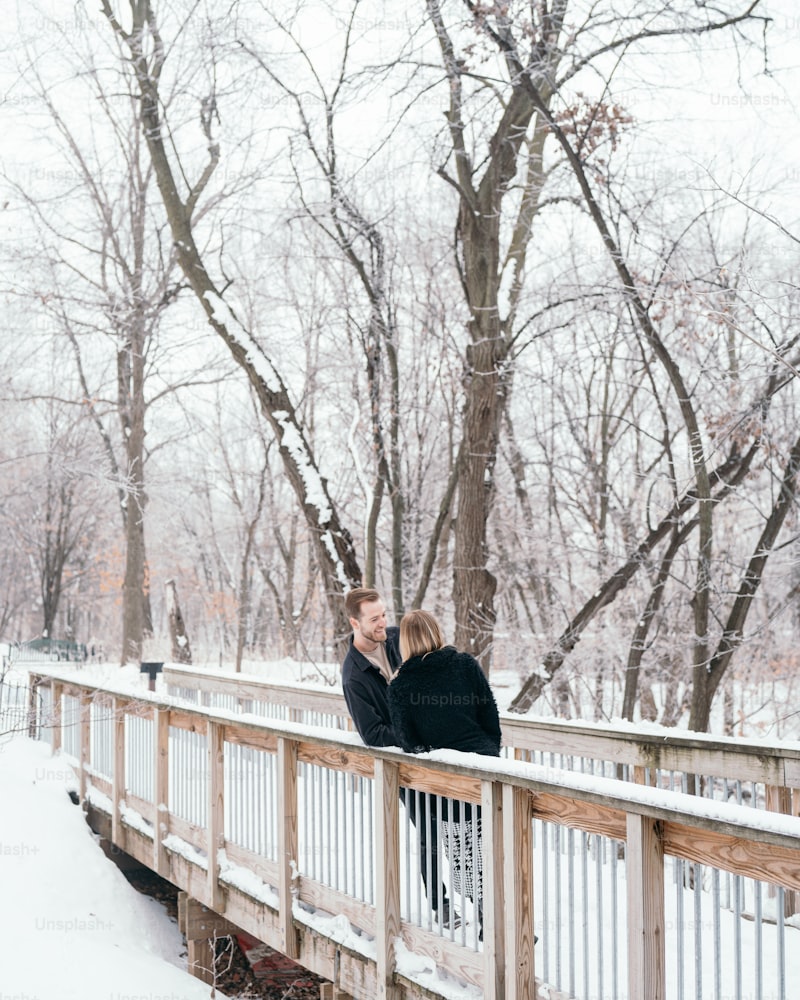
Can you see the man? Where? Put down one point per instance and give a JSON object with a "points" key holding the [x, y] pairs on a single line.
{"points": [[372, 660]]}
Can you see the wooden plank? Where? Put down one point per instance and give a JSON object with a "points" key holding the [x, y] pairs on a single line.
{"points": [[689, 753], [387, 875], [336, 758], [455, 786], [330, 703], [200, 960], [137, 708], [322, 897], [759, 860], [56, 690], [215, 834], [287, 840], [453, 958], [579, 814], [518, 890], [197, 921], [190, 832], [118, 789], [145, 809], [494, 966], [101, 784], [246, 737], [161, 816], [644, 872], [85, 742], [194, 722], [264, 868], [792, 773]]}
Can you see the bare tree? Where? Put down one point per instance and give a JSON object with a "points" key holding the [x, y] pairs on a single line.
{"points": [[145, 54]]}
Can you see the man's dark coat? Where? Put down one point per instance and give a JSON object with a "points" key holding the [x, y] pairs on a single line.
{"points": [[365, 692]]}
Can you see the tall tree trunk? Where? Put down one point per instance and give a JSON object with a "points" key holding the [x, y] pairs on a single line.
{"points": [[181, 649], [487, 375], [334, 546], [132, 411]]}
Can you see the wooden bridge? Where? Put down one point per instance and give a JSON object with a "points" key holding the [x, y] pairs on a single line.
{"points": [[651, 864]]}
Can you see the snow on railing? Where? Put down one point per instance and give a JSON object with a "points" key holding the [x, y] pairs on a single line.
{"points": [[635, 891]]}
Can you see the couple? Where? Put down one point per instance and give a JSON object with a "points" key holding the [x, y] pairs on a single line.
{"points": [[404, 687]]}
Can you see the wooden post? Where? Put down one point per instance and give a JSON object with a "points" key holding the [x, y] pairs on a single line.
{"points": [[387, 873], [494, 971], [34, 722], [779, 799], [215, 832], [518, 891], [201, 927], [161, 791], [86, 737], [287, 842], [118, 771], [645, 878], [56, 690]]}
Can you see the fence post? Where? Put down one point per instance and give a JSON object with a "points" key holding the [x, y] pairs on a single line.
{"points": [[215, 832], [85, 745], [118, 770], [56, 691], [387, 874], [34, 720], [518, 891], [779, 799], [494, 971], [645, 878], [287, 841], [161, 791]]}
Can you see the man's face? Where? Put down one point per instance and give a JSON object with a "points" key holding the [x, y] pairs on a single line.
{"points": [[372, 623]]}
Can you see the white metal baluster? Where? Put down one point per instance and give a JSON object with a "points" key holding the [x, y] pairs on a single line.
{"points": [[759, 938], [678, 869], [781, 904], [698, 931], [599, 903], [615, 850], [572, 939]]}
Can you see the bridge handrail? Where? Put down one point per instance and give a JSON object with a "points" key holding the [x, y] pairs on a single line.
{"points": [[653, 822], [775, 764]]}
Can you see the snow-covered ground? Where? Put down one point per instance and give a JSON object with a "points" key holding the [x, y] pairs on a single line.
{"points": [[71, 926]]}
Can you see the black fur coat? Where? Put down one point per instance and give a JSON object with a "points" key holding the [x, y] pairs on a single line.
{"points": [[443, 700]]}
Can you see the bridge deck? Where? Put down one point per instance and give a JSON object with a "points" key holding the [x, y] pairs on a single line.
{"points": [[297, 835]]}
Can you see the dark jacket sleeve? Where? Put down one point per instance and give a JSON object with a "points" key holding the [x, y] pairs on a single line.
{"points": [[403, 717], [362, 699]]}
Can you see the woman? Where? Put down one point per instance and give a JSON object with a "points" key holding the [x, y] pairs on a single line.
{"points": [[440, 699]]}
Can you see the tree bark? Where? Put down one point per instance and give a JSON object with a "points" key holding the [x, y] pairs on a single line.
{"points": [[733, 632], [487, 375], [181, 649], [334, 547]]}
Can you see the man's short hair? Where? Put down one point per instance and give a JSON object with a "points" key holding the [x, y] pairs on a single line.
{"points": [[356, 597]]}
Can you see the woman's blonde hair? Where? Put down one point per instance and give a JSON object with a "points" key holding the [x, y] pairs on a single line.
{"points": [[419, 633]]}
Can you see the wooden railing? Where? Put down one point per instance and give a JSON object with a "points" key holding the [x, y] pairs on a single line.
{"points": [[267, 893], [643, 754]]}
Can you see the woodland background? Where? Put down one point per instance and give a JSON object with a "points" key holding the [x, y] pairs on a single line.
{"points": [[491, 305]]}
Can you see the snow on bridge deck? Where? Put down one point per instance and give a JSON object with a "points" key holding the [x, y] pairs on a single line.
{"points": [[297, 833]]}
